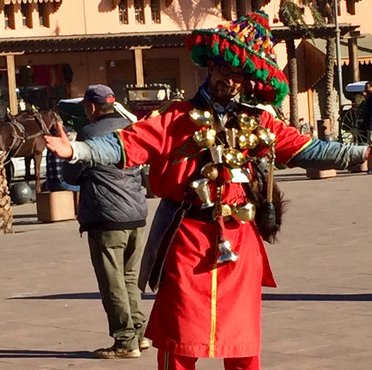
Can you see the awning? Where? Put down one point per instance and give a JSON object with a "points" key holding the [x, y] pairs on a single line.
{"points": [[7, 2], [125, 41], [364, 49], [115, 3], [313, 53], [98, 42]]}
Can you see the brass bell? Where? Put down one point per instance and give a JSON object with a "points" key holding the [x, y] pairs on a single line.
{"points": [[205, 138], [247, 140], [246, 212], [246, 122], [209, 171], [234, 158], [265, 136], [226, 210], [227, 254], [201, 188], [201, 118]]}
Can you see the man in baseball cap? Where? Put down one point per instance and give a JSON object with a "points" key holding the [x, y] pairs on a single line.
{"points": [[113, 211], [99, 94], [98, 101]]}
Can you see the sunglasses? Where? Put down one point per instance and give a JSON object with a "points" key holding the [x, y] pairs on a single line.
{"points": [[227, 72]]}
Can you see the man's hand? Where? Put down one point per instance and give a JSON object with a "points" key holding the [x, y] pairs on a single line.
{"points": [[59, 145]]}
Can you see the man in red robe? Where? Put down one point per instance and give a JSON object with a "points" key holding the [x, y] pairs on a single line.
{"points": [[211, 161]]}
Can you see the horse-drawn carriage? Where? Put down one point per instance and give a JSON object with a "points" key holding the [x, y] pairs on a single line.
{"points": [[351, 115], [141, 100]]}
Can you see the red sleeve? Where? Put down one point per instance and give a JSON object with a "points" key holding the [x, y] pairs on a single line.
{"points": [[143, 141], [289, 141]]}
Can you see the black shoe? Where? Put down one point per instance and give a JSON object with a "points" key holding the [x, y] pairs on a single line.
{"points": [[116, 352]]}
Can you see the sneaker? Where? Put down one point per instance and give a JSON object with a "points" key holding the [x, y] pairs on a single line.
{"points": [[144, 344], [116, 352]]}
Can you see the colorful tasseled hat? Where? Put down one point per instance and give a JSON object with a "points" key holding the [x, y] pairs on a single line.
{"points": [[246, 43]]}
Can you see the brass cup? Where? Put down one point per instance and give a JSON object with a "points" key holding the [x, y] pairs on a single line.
{"points": [[205, 138], [272, 137], [209, 171], [265, 136], [246, 212], [226, 210], [246, 122], [234, 158], [247, 140], [201, 188], [201, 118], [231, 136], [217, 154]]}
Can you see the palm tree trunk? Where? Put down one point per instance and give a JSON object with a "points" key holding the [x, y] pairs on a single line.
{"points": [[330, 72], [293, 84], [6, 216], [328, 11]]}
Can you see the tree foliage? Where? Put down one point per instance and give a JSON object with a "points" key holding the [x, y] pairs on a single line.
{"points": [[292, 15]]}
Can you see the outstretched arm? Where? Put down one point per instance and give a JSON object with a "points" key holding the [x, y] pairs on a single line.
{"points": [[330, 155], [100, 150]]}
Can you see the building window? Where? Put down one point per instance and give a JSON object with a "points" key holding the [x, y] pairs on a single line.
{"points": [[9, 16], [225, 9], [43, 14], [240, 8], [139, 11], [123, 11], [26, 15], [155, 11]]}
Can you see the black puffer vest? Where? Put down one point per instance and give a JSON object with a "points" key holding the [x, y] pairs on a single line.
{"points": [[110, 198]]}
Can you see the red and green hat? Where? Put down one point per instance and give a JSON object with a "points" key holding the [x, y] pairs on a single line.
{"points": [[246, 43]]}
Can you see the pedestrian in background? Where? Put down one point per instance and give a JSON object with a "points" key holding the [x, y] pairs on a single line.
{"points": [[54, 169], [113, 211], [367, 110]]}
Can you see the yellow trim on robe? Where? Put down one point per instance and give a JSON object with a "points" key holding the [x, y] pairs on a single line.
{"points": [[212, 338], [302, 148]]}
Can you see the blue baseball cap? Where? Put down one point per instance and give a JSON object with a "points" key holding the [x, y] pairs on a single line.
{"points": [[99, 94]]}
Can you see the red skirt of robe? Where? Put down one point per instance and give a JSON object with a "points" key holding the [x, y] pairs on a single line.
{"points": [[208, 310]]}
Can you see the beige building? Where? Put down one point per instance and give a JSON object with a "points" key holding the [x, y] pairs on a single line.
{"points": [[64, 45], [53, 49], [352, 15]]}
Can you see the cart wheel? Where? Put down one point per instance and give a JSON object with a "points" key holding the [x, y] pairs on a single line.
{"points": [[350, 129]]}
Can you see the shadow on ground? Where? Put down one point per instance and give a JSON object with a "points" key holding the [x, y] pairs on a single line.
{"points": [[43, 354], [265, 297]]}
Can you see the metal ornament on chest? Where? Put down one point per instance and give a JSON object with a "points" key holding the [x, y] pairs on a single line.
{"points": [[226, 148]]}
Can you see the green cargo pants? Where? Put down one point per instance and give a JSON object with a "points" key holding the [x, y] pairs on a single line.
{"points": [[115, 257]]}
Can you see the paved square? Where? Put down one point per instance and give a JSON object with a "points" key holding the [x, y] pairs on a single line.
{"points": [[319, 318]]}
